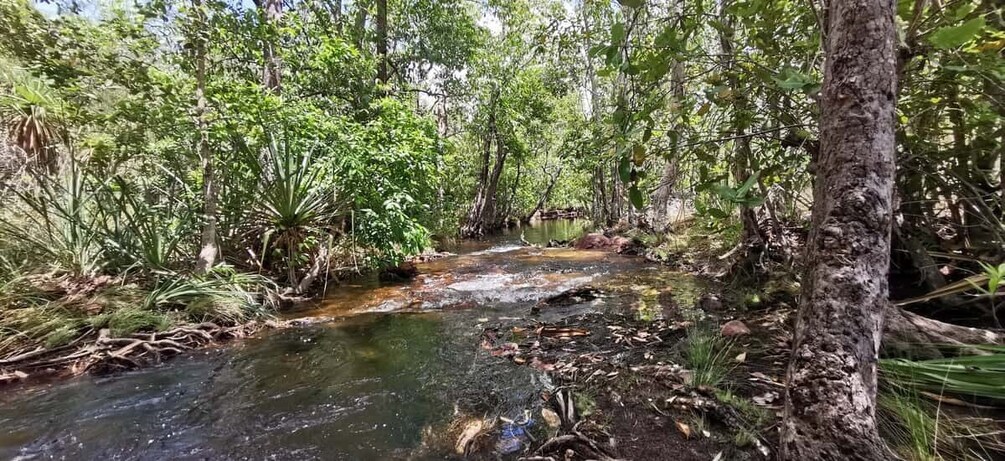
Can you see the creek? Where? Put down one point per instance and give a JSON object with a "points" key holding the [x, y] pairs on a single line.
{"points": [[377, 382]]}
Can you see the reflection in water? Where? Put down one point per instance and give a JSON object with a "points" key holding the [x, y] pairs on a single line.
{"points": [[361, 390], [366, 387], [537, 232]]}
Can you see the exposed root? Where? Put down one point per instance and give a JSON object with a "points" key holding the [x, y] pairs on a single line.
{"points": [[920, 337], [575, 445], [105, 353]]}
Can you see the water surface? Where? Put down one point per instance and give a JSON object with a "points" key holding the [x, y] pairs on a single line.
{"points": [[402, 361]]}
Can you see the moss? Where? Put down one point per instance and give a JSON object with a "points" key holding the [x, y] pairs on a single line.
{"points": [[585, 403], [752, 414]]}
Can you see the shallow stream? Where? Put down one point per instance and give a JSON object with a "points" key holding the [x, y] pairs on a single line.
{"points": [[377, 383]]}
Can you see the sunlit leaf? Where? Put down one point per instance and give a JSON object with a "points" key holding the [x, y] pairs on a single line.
{"points": [[955, 36]]}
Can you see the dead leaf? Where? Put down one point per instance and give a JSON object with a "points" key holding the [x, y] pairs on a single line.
{"points": [[684, 429], [741, 358], [550, 417], [765, 399]]}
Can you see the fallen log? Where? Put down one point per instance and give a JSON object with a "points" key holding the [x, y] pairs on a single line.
{"points": [[919, 337]]}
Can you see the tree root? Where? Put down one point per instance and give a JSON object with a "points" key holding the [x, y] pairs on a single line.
{"points": [[575, 445], [910, 334], [105, 353]]}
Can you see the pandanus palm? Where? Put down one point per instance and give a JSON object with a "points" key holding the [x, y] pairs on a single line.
{"points": [[30, 111], [293, 210]]}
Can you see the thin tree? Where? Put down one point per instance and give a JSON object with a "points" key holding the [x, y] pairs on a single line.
{"points": [[831, 395], [208, 249], [382, 41], [272, 12]]}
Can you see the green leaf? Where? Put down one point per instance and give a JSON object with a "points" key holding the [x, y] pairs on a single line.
{"points": [[717, 213], [791, 79], [617, 33], [625, 169], [955, 36], [639, 154], [631, 3], [635, 196], [747, 184]]}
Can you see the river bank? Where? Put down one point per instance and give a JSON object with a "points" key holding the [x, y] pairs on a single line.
{"points": [[500, 350], [425, 331]]}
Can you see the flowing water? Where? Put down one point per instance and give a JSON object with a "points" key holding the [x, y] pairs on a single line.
{"points": [[377, 383]]}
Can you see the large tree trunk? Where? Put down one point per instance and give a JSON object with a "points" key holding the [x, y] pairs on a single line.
{"points": [[831, 394], [208, 248]]}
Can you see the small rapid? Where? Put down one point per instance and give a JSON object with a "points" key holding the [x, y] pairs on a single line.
{"points": [[394, 368]]}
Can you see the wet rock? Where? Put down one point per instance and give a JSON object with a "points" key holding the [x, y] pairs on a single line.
{"points": [[617, 243], [709, 302], [593, 241], [403, 271], [570, 297], [734, 328]]}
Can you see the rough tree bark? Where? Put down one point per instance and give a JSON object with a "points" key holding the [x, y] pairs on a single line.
{"points": [[208, 249], [272, 11], [831, 394]]}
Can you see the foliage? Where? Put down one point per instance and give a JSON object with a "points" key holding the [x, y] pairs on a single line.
{"points": [[975, 376]]}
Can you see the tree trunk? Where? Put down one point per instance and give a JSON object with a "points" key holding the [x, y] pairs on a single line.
{"points": [[662, 198], [831, 394], [751, 231], [359, 26], [541, 202], [382, 41], [481, 216], [208, 248], [272, 11], [336, 9], [601, 212]]}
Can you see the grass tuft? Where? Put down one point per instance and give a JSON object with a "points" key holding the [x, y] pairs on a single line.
{"points": [[707, 355]]}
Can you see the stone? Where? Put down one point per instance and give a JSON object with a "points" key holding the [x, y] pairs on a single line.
{"points": [[734, 328]]}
